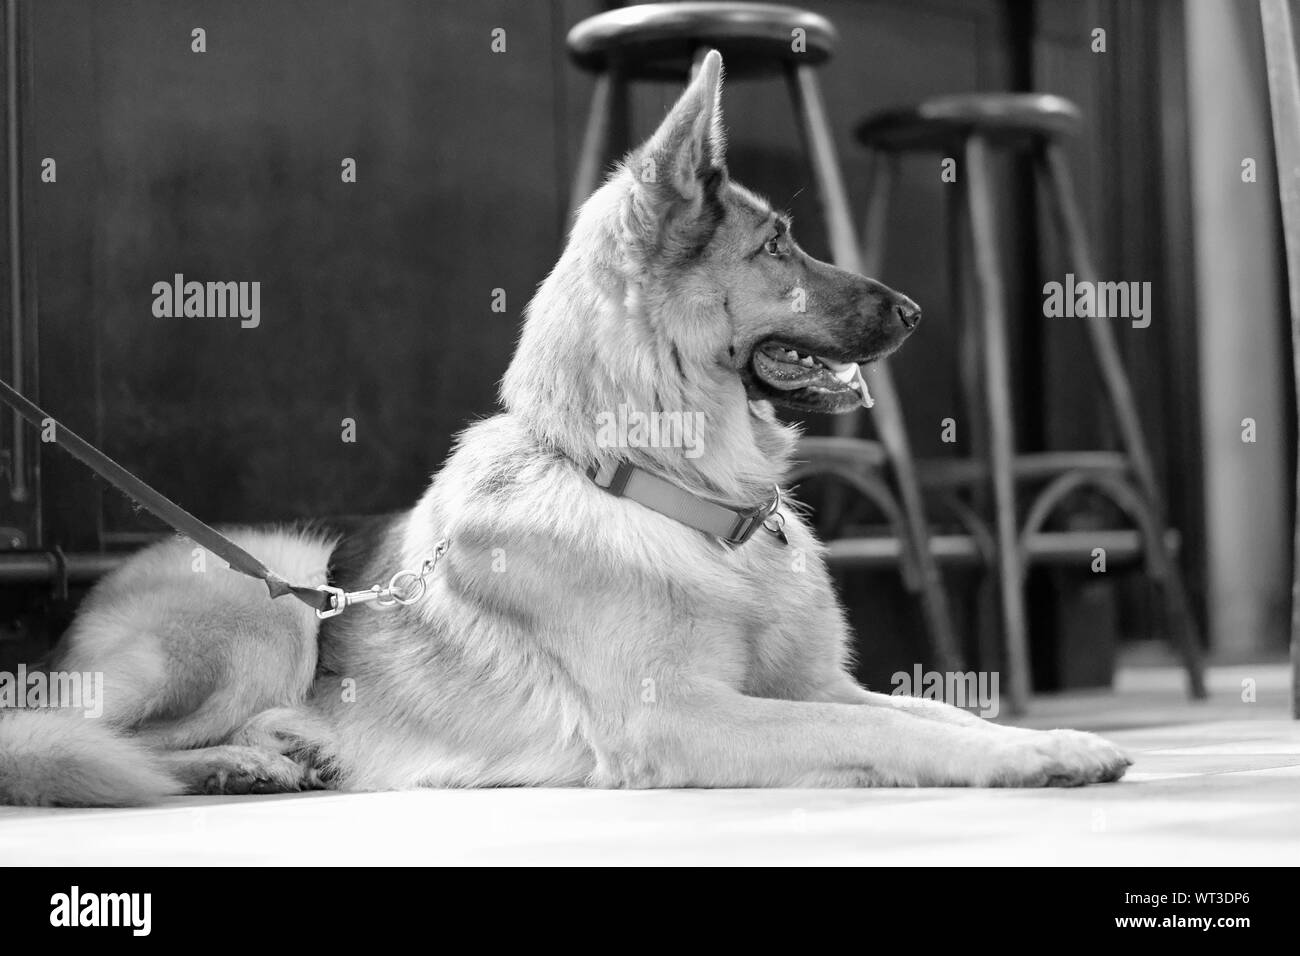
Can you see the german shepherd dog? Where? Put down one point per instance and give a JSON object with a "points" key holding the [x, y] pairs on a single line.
{"points": [[569, 637]]}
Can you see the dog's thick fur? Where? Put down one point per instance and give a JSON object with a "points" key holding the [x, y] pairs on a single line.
{"points": [[569, 637]]}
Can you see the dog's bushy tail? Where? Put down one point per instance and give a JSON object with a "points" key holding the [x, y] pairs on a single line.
{"points": [[62, 759]]}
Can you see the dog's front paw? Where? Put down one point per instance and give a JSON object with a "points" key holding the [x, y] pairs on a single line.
{"points": [[241, 770], [1053, 758]]}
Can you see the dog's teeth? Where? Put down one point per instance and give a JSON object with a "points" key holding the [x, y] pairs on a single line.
{"points": [[846, 372], [807, 360], [851, 374], [792, 355], [861, 385]]}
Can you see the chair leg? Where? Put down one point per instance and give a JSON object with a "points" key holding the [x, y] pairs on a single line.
{"points": [[871, 258], [1182, 625], [970, 346], [875, 220], [820, 144], [972, 423], [875, 217], [1181, 621], [997, 384], [606, 122], [1069, 220]]}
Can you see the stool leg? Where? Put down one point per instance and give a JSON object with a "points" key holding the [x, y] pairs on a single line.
{"points": [[606, 121], [970, 347], [1182, 622], [875, 219], [997, 384], [820, 144], [871, 259], [972, 423]]}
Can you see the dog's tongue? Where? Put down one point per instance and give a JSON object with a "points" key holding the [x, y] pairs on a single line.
{"points": [[851, 375]]}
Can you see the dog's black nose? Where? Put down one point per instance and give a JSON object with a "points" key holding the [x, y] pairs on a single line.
{"points": [[908, 312]]}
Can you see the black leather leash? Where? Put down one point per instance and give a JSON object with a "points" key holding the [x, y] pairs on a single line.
{"points": [[321, 600]]}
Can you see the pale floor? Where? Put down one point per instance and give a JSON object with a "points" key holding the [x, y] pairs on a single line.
{"points": [[1212, 783]]}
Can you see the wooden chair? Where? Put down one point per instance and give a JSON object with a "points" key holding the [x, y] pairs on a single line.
{"points": [[971, 127]]}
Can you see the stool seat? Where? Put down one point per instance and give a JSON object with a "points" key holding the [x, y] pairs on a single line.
{"points": [[1008, 119], [659, 40]]}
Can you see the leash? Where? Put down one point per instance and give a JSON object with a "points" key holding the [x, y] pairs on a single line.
{"points": [[327, 601]]}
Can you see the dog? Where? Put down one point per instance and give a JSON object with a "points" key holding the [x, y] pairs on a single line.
{"points": [[570, 636]]}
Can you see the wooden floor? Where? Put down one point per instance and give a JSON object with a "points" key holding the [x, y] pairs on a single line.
{"points": [[1213, 783]]}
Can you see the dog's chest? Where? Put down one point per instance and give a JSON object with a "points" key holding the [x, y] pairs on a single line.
{"points": [[771, 612]]}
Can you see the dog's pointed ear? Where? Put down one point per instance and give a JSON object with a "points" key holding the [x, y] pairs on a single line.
{"points": [[685, 158]]}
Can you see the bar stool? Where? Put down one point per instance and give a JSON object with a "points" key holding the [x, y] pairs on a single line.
{"points": [[666, 40], [969, 128]]}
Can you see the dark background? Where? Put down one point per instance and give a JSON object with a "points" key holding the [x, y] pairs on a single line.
{"points": [[376, 296]]}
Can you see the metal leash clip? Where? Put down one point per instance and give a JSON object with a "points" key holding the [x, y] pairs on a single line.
{"points": [[404, 588], [774, 521]]}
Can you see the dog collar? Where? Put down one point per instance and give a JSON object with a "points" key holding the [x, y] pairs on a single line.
{"points": [[734, 526]]}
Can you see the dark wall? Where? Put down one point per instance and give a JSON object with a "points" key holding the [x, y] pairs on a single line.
{"points": [[226, 165], [376, 296]]}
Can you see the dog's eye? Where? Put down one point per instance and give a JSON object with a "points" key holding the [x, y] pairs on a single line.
{"points": [[773, 246]]}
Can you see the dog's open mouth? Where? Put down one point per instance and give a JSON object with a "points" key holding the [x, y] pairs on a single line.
{"points": [[802, 379]]}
